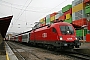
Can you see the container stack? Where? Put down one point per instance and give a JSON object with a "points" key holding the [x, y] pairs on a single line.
{"points": [[43, 22], [81, 33], [78, 13], [52, 17], [87, 13], [87, 8], [67, 10]]}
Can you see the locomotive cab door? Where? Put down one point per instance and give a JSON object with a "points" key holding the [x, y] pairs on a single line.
{"points": [[54, 34]]}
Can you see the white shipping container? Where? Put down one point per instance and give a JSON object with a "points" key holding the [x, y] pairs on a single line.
{"points": [[76, 2], [47, 23], [60, 12], [73, 16], [57, 16], [48, 16], [78, 15]]}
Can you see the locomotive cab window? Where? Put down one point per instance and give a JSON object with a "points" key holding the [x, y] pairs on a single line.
{"points": [[54, 30], [66, 30]]}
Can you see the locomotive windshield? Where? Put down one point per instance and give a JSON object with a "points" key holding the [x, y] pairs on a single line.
{"points": [[66, 30]]}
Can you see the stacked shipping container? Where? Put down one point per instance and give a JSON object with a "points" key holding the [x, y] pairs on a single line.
{"points": [[87, 13], [43, 22], [80, 32], [67, 10], [48, 19], [59, 15], [78, 14], [52, 16]]}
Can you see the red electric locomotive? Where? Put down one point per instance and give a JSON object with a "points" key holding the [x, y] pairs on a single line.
{"points": [[61, 35]]}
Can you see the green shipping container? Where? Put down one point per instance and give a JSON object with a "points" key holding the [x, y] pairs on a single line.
{"points": [[87, 11], [69, 20], [80, 32], [85, 32], [87, 7], [66, 8], [48, 21]]}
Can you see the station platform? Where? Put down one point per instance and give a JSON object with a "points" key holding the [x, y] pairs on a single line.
{"points": [[9, 55], [2, 51]]}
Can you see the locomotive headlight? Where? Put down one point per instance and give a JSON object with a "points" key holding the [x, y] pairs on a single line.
{"points": [[76, 38], [61, 38]]}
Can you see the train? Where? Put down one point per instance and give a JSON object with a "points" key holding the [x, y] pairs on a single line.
{"points": [[60, 35]]}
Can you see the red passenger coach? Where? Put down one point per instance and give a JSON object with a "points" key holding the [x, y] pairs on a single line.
{"points": [[59, 34], [20, 38]]}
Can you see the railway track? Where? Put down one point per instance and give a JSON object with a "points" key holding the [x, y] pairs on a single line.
{"points": [[16, 52], [77, 55], [21, 55], [33, 53], [71, 54]]}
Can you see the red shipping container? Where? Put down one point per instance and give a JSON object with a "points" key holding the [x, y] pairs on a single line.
{"points": [[88, 25], [69, 11], [61, 17], [86, 1], [80, 22], [53, 14], [88, 38]]}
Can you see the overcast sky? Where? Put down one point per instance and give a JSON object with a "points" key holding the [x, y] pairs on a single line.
{"points": [[27, 12]]}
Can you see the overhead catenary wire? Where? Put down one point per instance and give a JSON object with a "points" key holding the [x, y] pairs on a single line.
{"points": [[30, 10], [20, 13], [57, 5], [23, 9], [17, 5], [11, 3]]}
